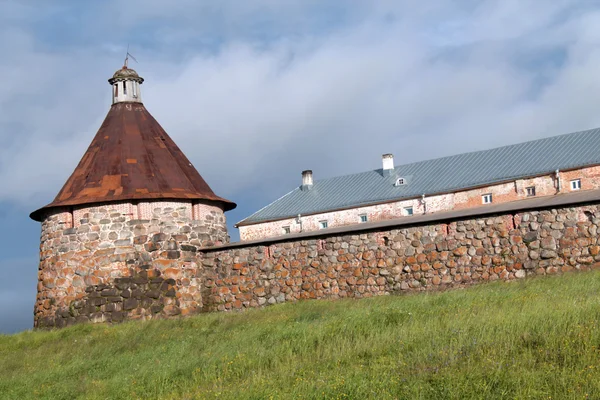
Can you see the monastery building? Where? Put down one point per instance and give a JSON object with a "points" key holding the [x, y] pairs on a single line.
{"points": [[545, 167]]}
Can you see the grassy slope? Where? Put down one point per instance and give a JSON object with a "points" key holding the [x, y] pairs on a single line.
{"points": [[532, 339]]}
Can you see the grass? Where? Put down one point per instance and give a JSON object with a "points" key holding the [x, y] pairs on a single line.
{"points": [[533, 339]]}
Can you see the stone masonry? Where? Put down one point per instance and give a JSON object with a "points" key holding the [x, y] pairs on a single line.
{"points": [[112, 266], [419, 258], [98, 273]]}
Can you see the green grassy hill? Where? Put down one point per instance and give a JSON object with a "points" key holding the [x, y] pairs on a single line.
{"points": [[534, 339]]}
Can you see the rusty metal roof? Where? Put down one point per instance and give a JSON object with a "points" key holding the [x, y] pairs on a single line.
{"points": [[132, 158]]}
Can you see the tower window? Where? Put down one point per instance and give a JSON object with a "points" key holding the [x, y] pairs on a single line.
{"points": [[134, 89], [408, 211], [116, 90], [576, 184], [363, 218], [124, 87], [530, 191], [486, 198], [286, 230], [323, 224]]}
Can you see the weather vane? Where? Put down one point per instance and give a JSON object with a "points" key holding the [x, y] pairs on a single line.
{"points": [[127, 57]]}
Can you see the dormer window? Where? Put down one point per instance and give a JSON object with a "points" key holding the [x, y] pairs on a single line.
{"points": [[400, 182]]}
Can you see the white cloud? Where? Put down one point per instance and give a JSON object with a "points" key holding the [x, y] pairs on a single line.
{"points": [[391, 77]]}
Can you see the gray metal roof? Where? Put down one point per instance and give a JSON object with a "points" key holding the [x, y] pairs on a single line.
{"points": [[441, 175]]}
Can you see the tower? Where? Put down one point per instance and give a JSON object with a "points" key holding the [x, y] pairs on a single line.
{"points": [[119, 240]]}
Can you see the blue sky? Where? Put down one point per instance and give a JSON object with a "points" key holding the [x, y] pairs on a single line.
{"points": [[256, 91]]}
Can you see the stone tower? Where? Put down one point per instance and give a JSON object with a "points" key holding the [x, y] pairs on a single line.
{"points": [[119, 240]]}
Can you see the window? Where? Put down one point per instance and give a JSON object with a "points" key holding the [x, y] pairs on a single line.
{"points": [[576, 184], [116, 90], [486, 198], [400, 181], [286, 230], [408, 211], [124, 87], [363, 218], [134, 87], [322, 224], [530, 191]]}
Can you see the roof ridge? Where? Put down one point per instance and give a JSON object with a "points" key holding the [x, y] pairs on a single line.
{"points": [[501, 147], [396, 167]]}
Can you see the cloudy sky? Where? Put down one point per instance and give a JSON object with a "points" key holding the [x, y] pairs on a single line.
{"points": [[255, 91]]}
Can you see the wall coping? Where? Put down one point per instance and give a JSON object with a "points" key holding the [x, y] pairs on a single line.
{"points": [[562, 199]]}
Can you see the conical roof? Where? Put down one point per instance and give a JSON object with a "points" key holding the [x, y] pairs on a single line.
{"points": [[132, 158]]}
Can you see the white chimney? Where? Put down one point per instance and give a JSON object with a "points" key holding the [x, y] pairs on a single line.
{"points": [[388, 164], [307, 180]]}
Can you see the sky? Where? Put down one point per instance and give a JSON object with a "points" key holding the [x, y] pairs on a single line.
{"points": [[256, 91]]}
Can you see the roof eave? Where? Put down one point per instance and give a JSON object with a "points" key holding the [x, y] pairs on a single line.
{"points": [[36, 215]]}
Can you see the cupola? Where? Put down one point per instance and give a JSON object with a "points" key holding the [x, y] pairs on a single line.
{"points": [[126, 86]]}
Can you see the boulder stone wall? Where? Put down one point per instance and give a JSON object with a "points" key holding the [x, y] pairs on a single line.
{"points": [[409, 259], [120, 261], [112, 267]]}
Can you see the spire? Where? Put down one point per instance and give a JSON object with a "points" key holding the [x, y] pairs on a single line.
{"points": [[132, 158]]}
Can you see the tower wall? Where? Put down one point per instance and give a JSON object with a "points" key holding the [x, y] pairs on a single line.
{"points": [[116, 261]]}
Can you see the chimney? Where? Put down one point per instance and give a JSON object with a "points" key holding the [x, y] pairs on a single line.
{"points": [[388, 164], [307, 180]]}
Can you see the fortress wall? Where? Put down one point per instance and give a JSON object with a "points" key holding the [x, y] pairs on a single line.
{"points": [[111, 265], [429, 256], [105, 272]]}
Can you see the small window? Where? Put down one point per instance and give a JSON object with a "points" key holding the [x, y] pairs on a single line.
{"points": [[116, 90], [134, 87], [530, 191], [363, 218], [408, 211], [286, 230], [322, 224], [400, 181], [576, 184], [486, 198], [124, 87]]}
